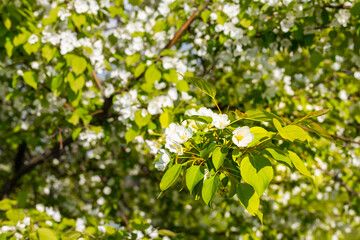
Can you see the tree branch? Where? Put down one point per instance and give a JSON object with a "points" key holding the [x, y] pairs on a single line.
{"points": [[185, 26]]}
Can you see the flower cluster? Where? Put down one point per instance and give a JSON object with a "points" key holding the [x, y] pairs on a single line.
{"points": [[176, 135]]}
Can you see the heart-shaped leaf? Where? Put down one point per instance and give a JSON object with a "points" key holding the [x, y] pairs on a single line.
{"points": [[257, 171], [193, 176]]}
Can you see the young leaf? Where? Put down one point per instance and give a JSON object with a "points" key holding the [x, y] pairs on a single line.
{"points": [[260, 115], [209, 189], [218, 156], [165, 119], [31, 79], [278, 156], [205, 151], [319, 130], [152, 74], [290, 132], [140, 120], [170, 176], [203, 85], [315, 114], [257, 171], [78, 64], [248, 198], [194, 175], [299, 164], [46, 234]]}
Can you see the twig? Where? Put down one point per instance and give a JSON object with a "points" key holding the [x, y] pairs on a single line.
{"points": [[339, 180], [98, 84], [332, 135], [185, 26]]}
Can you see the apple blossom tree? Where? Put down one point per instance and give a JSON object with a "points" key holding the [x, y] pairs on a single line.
{"points": [[143, 119]]}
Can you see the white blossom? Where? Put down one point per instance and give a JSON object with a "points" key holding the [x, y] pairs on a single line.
{"points": [[163, 160], [220, 121], [33, 39], [242, 136]]}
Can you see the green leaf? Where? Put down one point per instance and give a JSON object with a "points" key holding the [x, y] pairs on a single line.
{"points": [[315, 59], [203, 85], [197, 118], [159, 26], [132, 59], [31, 79], [170, 177], [233, 187], [47, 234], [182, 86], [299, 164], [56, 84], [165, 119], [71, 235], [7, 23], [9, 47], [206, 150], [15, 215], [152, 74], [209, 189], [218, 156], [75, 133], [78, 20], [48, 53], [355, 10], [78, 64], [20, 39], [139, 224], [290, 132], [260, 115], [315, 114], [77, 84], [194, 175], [140, 120], [31, 48], [248, 198], [171, 76], [52, 16], [139, 70], [245, 23], [205, 15], [260, 134], [131, 134], [166, 232], [319, 130], [278, 156], [257, 171]]}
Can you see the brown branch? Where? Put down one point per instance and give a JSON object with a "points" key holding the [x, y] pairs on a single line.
{"points": [[98, 84], [339, 180], [54, 152], [185, 26]]}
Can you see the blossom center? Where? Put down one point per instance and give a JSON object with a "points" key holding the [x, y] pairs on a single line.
{"points": [[239, 137]]}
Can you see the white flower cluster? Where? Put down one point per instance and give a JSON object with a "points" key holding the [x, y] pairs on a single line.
{"points": [[220, 121], [342, 17], [163, 160], [90, 137], [86, 6], [157, 103], [20, 226], [127, 105], [176, 135]]}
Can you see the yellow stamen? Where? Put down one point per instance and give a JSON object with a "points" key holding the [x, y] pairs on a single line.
{"points": [[239, 137]]}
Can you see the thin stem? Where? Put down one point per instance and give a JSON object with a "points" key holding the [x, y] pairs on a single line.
{"points": [[216, 104]]}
